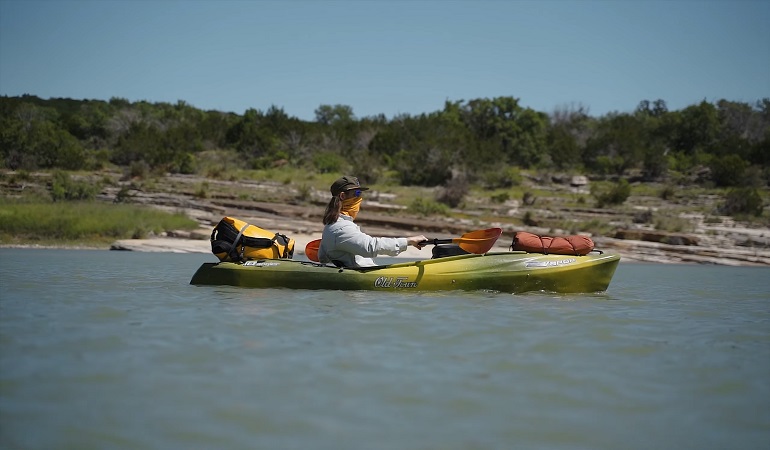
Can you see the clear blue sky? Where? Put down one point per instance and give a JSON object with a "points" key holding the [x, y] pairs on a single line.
{"points": [[388, 57]]}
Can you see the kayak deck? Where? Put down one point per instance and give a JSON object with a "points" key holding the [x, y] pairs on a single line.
{"points": [[514, 272]]}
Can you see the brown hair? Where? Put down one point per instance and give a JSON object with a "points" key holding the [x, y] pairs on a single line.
{"points": [[333, 210]]}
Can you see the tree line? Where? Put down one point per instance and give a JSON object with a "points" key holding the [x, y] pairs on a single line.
{"points": [[483, 141]]}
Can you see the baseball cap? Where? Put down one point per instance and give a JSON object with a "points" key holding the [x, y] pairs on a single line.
{"points": [[346, 183]]}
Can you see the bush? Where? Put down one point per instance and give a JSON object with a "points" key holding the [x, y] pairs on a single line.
{"points": [[428, 207], [502, 178], [63, 187], [668, 192], [743, 201], [501, 197], [528, 198], [454, 191], [728, 170], [674, 224], [327, 162], [615, 195], [137, 169]]}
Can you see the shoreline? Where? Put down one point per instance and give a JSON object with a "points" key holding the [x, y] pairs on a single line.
{"points": [[725, 241], [629, 251]]}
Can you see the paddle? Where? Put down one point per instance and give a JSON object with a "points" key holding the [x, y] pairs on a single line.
{"points": [[479, 241]]}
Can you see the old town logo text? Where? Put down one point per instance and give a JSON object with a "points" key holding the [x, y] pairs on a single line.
{"points": [[394, 282]]}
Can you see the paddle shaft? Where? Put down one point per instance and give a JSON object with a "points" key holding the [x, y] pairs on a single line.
{"points": [[480, 241]]}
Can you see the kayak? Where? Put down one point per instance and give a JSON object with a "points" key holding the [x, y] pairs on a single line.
{"points": [[513, 272]]}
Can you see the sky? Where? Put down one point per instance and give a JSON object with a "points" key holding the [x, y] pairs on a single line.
{"points": [[387, 57]]}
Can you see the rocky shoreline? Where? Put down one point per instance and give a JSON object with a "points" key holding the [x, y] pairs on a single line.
{"points": [[708, 245], [297, 213], [629, 250]]}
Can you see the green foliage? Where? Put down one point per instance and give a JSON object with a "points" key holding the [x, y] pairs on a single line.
{"points": [[31, 139], [137, 169], [504, 177], [672, 224], [614, 194], [743, 201], [83, 221], [426, 207], [480, 137], [63, 187], [328, 162], [502, 197], [667, 192], [123, 195], [728, 170]]}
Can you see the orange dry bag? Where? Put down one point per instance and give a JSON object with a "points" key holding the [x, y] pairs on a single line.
{"points": [[569, 245]]}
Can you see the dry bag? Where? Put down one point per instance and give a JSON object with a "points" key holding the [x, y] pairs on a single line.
{"points": [[234, 240], [569, 245]]}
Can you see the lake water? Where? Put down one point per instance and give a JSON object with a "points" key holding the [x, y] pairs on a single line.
{"points": [[115, 350]]}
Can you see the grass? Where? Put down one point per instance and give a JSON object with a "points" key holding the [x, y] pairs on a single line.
{"points": [[82, 223], [555, 206]]}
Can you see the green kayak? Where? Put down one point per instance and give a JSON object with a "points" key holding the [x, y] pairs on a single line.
{"points": [[513, 272]]}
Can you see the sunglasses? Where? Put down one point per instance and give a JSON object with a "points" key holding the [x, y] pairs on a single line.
{"points": [[356, 192]]}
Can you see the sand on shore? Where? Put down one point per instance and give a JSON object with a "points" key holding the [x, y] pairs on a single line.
{"points": [[179, 245]]}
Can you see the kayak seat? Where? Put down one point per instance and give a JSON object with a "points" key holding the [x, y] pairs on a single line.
{"points": [[442, 251]]}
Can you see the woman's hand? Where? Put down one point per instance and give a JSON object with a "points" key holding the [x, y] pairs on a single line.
{"points": [[417, 241]]}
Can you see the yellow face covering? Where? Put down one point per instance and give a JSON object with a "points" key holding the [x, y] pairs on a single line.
{"points": [[350, 206]]}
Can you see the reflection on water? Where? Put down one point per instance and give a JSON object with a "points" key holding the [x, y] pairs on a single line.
{"points": [[117, 350]]}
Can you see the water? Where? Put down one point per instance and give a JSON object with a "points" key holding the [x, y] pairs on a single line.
{"points": [[114, 350]]}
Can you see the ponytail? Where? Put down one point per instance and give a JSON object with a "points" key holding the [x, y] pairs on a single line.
{"points": [[333, 210]]}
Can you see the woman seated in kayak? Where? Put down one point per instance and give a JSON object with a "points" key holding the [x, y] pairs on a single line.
{"points": [[343, 243]]}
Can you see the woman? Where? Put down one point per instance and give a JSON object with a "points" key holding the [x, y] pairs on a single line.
{"points": [[343, 243]]}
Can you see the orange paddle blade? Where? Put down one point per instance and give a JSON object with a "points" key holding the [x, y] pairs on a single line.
{"points": [[480, 241], [311, 250]]}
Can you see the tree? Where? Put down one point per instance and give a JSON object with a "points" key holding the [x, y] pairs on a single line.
{"points": [[618, 144], [569, 130], [31, 138], [695, 128], [327, 114]]}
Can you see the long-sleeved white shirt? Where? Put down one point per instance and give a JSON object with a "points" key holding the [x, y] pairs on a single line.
{"points": [[344, 243]]}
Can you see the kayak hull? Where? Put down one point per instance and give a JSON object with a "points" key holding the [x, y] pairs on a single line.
{"points": [[514, 272]]}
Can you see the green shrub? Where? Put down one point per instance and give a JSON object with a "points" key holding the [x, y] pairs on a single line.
{"points": [[501, 197], [63, 187], [506, 177], [728, 170], [617, 194], [328, 162], [137, 169], [668, 192], [425, 207], [743, 201], [123, 195], [674, 224]]}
